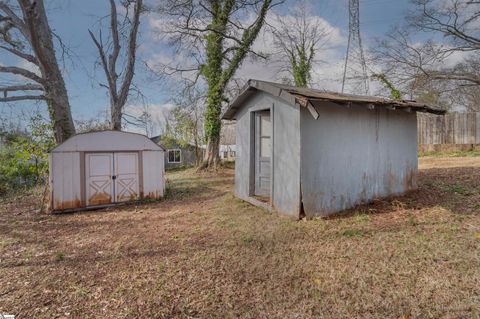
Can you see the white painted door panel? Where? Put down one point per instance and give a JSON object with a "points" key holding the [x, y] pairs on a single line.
{"points": [[263, 132], [126, 176], [99, 171]]}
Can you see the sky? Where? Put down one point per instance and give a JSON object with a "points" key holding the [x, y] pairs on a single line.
{"points": [[71, 20]]}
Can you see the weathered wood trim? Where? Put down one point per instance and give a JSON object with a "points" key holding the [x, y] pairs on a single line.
{"points": [[272, 155], [83, 187], [312, 110]]}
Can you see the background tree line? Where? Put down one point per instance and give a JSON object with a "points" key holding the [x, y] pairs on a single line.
{"points": [[214, 37]]}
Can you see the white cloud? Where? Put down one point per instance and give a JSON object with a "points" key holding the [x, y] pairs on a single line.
{"points": [[156, 123], [326, 73]]}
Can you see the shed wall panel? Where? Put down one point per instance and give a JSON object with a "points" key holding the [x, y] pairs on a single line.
{"points": [[153, 174], [354, 155], [286, 159], [65, 180]]}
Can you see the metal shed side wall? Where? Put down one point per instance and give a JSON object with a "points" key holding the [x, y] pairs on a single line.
{"points": [[65, 180], [354, 155], [153, 174], [285, 151]]}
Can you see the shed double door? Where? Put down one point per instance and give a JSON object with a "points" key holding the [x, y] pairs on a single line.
{"points": [[111, 177], [263, 153]]}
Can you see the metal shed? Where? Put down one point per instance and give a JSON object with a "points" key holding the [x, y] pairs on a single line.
{"points": [[306, 152], [104, 168]]}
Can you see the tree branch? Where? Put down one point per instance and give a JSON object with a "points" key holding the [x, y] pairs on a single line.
{"points": [[248, 36], [25, 87], [112, 59], [22, 72], [28, 57], [132, 48], [103, 62], [15, 19], [22, 98]]}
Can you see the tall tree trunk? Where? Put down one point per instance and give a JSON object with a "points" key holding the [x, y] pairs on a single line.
{"points": [[212, 158], [53, 83], [116, 117], [59, 109], [33, 27], [119, 95], [213, 125]]}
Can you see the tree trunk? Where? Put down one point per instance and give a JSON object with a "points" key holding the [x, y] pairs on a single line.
{"points": [[212, 158], [40, 38], [116, 117], [59, 109], [213, 125]]}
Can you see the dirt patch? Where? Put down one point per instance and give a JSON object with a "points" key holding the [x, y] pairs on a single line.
{"points": [[201, 253], [427, 162]]}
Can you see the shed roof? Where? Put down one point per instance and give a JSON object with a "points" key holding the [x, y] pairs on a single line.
{"points": [[107, 141], [304, 97]]}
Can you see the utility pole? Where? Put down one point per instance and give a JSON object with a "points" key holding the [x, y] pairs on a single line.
{"points": [[355, 71]]}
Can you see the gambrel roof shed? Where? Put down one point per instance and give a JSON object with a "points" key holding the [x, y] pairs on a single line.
{"points": [[104, 168], [310, 152]]}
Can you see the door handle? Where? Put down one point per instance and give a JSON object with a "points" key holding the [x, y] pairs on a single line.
{"points": [[114, 177]]}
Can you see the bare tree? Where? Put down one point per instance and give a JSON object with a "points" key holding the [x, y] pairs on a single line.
{"points": [[25, 33], [453, 57], [216, 35], [109, 56], [298, 40], [457, 22]]}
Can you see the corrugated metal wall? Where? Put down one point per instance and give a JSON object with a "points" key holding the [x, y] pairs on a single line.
{"points": [[454, 128], [354, 155]]}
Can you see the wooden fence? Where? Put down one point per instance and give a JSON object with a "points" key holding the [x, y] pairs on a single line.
{"points": [[455, 131]]}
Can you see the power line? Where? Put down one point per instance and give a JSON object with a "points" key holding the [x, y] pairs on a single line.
{"points": [[355, 70]]}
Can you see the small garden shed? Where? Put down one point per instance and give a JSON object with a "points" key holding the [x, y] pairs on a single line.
{"points": [[308, 152], [103, 168]]}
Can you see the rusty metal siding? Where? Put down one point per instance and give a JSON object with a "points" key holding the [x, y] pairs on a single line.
{"points": [[65, 181], [354, 155], [286, 151], [153, 174]]}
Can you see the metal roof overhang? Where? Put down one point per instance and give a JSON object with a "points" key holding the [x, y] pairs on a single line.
{"points": [[304, 97]]}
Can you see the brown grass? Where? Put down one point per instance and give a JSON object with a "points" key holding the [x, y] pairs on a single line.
{"points": [[201, 253]]}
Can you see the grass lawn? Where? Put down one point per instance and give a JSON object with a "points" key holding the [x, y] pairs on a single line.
{"points": [[201, 253]]}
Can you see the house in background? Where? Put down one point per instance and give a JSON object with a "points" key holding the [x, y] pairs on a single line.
{"points": [[178, 154], [227, 152], [310, 153]]}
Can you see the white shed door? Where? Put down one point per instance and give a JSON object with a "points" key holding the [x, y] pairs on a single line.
{"points": [[99, 172], [126, 176], [263, 153]]}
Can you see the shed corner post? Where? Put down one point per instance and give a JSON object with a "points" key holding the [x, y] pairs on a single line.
{"points": [[272, 157], [50, 181], [140, 174], [83, 182]]}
